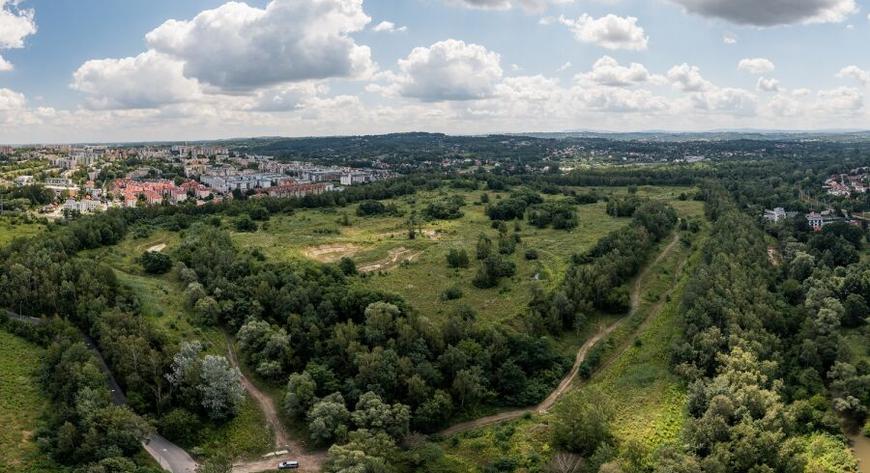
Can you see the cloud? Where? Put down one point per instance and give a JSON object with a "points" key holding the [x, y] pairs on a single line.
{"points": [[564, 67], [772, 12], [240, 48], [725, 100], [609, 32], [15, 25], [767, 85], [856, 73], [149, 80], [848, 100], [528, 5], [729, 38], [617, 100], [389, 27], [607, 71], [448, 70], [756, 66], [287, 98], [688, 78]]}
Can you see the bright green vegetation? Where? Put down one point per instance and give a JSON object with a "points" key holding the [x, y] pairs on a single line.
{"points": [[245, 436], [417, 269], [825, 453], [856, 341], [646, 398], [20, 406], [11, 229]]}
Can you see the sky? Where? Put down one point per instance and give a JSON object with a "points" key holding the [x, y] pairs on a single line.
{"points": [[145, 70]]}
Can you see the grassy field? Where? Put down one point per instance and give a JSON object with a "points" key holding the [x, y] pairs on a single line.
{"points": [[20, 406], [11, 229], [647, 398], [419, 273]]}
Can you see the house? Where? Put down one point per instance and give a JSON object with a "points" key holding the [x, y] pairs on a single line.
{"points": [[23, 181], [776, 215], [818, 220]]}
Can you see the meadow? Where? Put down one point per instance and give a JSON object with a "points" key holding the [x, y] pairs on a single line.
{"points": [[11, 228], [646, 398], [21, 404], [417, 269]]}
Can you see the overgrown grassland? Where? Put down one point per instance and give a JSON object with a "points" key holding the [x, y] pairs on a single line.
{"points": [[647, 399], [11, 229], [319, 234], [20, 406]]}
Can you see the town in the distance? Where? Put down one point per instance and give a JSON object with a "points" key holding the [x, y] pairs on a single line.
{"points": [[86, 179]]}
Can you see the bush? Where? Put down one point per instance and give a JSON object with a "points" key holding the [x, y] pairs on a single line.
{"points": [[347, 266], [181, 426], [457, 258], [154, 262], [245, 224], [531, 254], [452, 293], [491, 270]]}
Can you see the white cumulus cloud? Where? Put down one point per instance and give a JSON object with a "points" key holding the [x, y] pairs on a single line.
{"points": [[236, 47], [855, 73], [15, 25], [449, 70], [757, 66], [767, 85], [609, 31], [529, 5], [607, 71], [389, 27], [148, 80]]}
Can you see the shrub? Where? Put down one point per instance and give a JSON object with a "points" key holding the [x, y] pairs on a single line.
{"points": [[452, 293], [531, 254], [154, 262], [457, 258], [245, 224], [347, 266]]}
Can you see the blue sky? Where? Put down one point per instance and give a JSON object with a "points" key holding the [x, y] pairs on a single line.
{"points": [[108, 70]]}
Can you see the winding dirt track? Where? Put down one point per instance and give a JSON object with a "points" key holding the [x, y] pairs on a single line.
{"points": [[568, 380], [308, 461]]}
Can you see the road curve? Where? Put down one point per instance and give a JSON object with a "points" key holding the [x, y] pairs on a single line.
{"points": [[171, 457], [568, 380]]}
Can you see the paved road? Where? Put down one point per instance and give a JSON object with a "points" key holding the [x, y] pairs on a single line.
{"points": [[568, 380], [171, 457]]}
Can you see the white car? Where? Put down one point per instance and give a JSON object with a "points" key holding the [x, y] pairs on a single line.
{"points": [[288, 465]]}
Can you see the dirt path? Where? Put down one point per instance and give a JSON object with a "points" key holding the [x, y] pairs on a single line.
{"points": [[568, 380], [308, 461], [396, 256]]}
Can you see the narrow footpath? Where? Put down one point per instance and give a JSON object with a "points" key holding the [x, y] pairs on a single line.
{"points": [[568, 380]]}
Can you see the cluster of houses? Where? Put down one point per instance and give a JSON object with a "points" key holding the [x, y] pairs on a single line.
{"points": [[846, 185], [212, 173], [816, 220]]}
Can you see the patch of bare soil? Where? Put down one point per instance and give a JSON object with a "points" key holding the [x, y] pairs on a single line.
{"points": [[396, 256], [331, 253]]}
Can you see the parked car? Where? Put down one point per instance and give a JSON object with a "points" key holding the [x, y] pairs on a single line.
{"points": [[288, 465]]}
